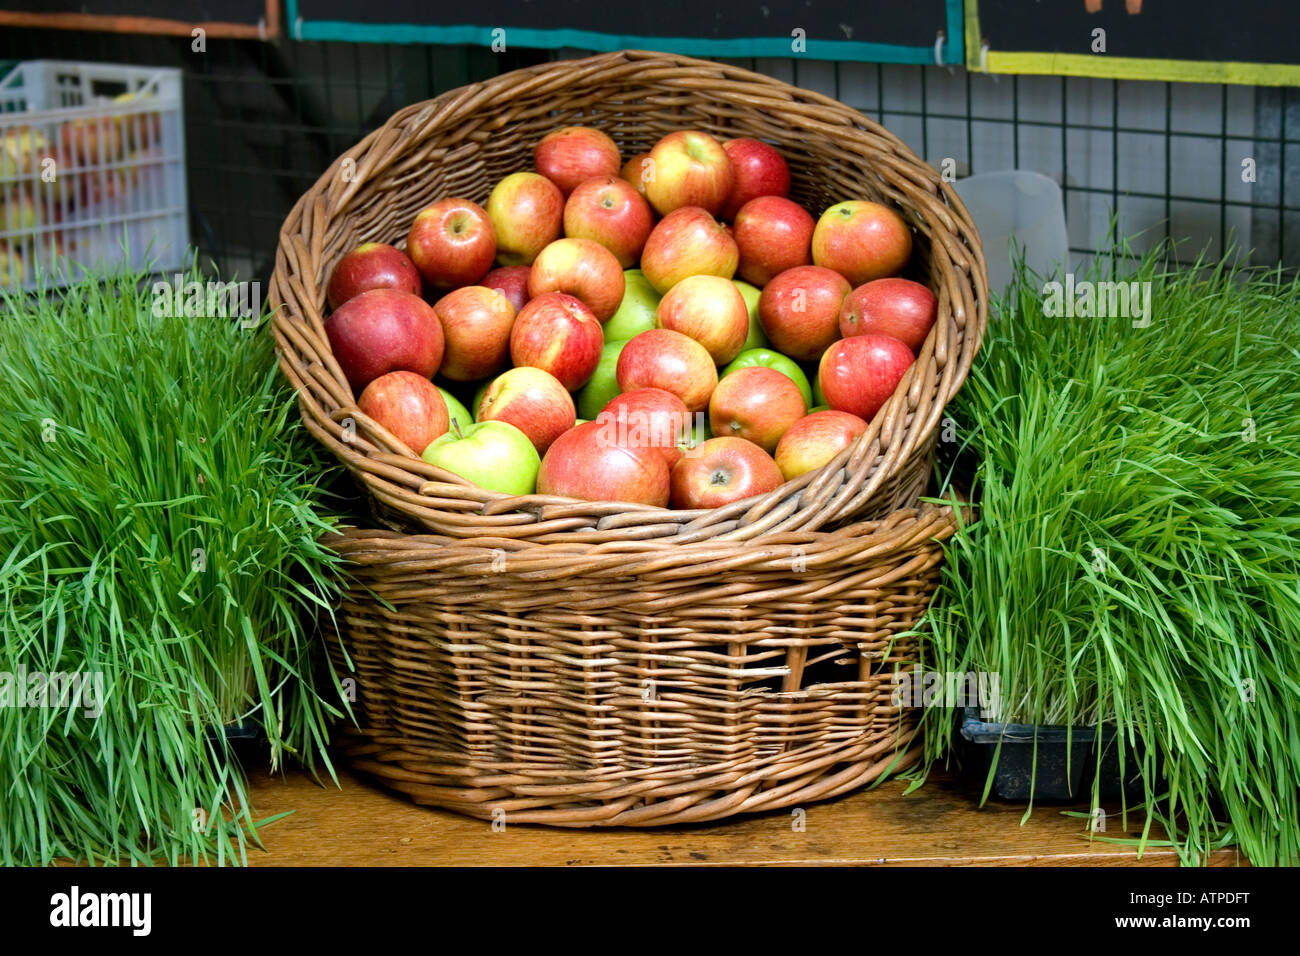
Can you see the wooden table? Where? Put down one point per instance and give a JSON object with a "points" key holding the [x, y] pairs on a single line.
{"points": [[940, 825]]}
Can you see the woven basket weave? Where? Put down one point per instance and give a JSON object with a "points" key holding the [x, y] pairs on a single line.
{"points": [[463, 142], [641, 687]]}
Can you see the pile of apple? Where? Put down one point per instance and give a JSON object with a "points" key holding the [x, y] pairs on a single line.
{"points": [[628, 345]]}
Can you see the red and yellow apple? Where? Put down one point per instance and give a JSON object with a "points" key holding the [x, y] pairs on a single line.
{"points": [[637, 171], [814, 440], [372, 265], [690, 169], [609, 211], [574, 154], [773, 234], [757, 170], [582, 268], [510, 281], [709, 309], [861, 241], [583, 463], [452, 243], [649, 418], [858, 375], [898, 307], [688, 242], [559, 334], [526, 210], [531, 399], [800, 311], [408, 405], [720, 471], [756, 403], [384, 330], [662, 358], [476, 324]]}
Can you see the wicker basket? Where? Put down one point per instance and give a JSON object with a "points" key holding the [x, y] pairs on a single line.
{"points": [[463, 142], [634, 687], [598, 664]]}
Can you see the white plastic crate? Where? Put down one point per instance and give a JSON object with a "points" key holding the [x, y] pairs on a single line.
{"points": [[92, 170]]}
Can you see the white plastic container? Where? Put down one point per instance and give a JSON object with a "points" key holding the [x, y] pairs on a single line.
{"points": [[1022, 206], [92, 170]]}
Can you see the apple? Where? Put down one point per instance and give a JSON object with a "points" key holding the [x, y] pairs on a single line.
{"points": [[751, 294], [526, 210], [688, 242], [757, 170], [476, 323], [756, 403], [898, 307], [493, 455], [456, 412], [603, 384], [583, 463], [690, 169], [636, 313], [814, 440], [767, 358], [800, 310], [559, 334], [384, 330], [533, 401], [861, 241], [452, 243], [859, 374], [648, 418], [574, 154], [610, 211], [637, 170], [663, 358], [581, 268], [373, 265], [408, 406], [510, 281], [773, 234], [722, 470], [711, 310], [91, 142]]}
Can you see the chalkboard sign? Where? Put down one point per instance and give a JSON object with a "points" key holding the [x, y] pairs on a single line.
{"points": [[873, 30], [1206, 41], [253, 19]]}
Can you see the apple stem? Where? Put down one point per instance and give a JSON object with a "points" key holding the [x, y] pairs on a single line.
{"points": [[455, 423]]}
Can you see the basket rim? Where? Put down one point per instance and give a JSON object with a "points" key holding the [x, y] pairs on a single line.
{"points": [[424, 495]]}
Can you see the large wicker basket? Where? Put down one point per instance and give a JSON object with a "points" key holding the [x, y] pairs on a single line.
{"points": [[463, 142], [593, 663]]}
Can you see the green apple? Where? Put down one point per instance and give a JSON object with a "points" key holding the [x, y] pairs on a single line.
{"points": [[819, 408], [750, 293], [494, 455], [818, 397], [478, 397], [773, 360], [603, 384], [636, 313], [456, 412]]}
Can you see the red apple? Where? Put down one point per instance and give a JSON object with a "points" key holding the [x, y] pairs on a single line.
{"points": [[690, 169], [815, 439], [861, 241], [773, 234], [532, 400], [858, 375], [384, 330], [722, 470], [898, 307], [511, 282], [558, 333], [711, 310], [585, 462], [409, 406], [757, 170], [373, 265], [575, 154], [800, 311], [756, 403], [662, 358], [452, 243], [476, 323], [526, 210], [582, 268], [609, 211], [688, 242], [636, 172], [649, 418]]}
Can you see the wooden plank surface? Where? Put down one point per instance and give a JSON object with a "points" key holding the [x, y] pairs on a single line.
{"points": [[939, 825]]}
